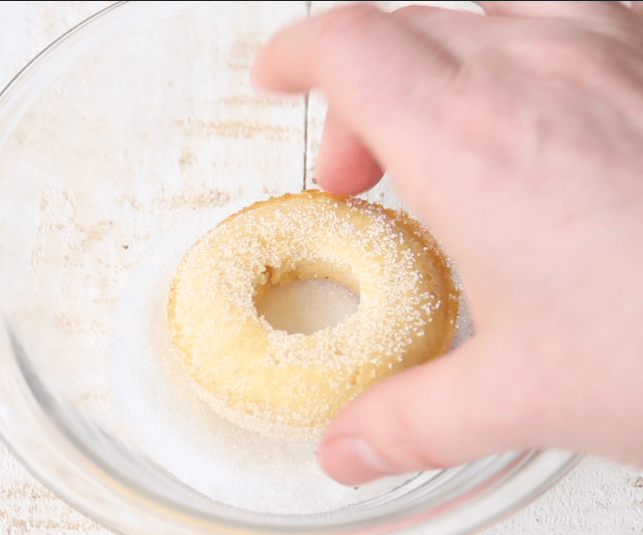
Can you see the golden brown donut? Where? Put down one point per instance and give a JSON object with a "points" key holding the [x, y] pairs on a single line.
{"points": [[267, 379]]}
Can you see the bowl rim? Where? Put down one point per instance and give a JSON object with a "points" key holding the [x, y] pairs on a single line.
{"points": [[27, 410], [109, 497]]}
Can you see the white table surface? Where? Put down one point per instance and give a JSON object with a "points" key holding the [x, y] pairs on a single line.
{"points": [[598, 497]]}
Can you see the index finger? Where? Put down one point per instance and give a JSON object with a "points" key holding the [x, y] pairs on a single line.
{"points": [[372, 72]]}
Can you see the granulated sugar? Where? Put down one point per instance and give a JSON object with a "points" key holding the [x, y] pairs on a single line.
{"points": [[176, 429], [306, 306]]}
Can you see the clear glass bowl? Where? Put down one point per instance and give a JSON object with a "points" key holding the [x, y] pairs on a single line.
{"points": [[137, 120]]}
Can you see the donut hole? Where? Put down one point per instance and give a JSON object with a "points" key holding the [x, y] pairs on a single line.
{"points": [[307, 297]]}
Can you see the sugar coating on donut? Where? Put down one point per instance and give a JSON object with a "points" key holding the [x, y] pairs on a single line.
{"points": [[279, 383]]}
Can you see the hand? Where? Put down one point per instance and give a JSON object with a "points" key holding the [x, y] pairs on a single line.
{"points": [[517, 136]]}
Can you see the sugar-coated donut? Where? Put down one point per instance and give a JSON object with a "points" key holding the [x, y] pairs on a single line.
{"points": [[267, 379]]}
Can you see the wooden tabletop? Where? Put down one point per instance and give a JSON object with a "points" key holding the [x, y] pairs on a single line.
{"points": [[597, 498]]}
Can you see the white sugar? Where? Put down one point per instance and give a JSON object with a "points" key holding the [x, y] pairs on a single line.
{"points": [[173, 427], [307, 306]]}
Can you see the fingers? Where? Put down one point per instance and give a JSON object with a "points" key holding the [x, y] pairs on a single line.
{"points": [[440, 414], [344, 164], [343, 52], [387, 78]]}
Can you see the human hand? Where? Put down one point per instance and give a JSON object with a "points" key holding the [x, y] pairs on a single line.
{"points": [[518, 137]]}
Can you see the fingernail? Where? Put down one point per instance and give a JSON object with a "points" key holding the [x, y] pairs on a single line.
{"points": [[352, 461]]}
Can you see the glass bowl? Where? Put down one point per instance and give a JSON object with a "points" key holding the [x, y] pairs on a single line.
{"points": [[120, 144]]}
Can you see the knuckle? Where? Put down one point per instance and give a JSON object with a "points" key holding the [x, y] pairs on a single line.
{"points": [[577, 54], [411, 12], [339, 24]]}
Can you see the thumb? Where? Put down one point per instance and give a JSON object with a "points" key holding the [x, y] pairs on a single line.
{"points": [[439, 414]]}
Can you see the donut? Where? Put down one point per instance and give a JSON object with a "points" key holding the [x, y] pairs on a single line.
{"points": [[267, 379]]}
